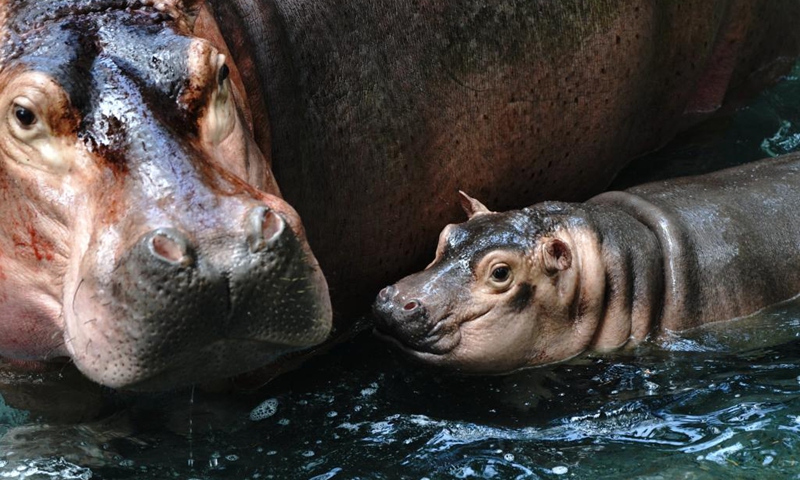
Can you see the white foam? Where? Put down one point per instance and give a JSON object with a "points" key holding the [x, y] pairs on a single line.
{"points": [[266, 409]]}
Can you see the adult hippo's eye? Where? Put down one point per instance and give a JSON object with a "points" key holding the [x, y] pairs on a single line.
{"points": [[224, 72], [220, 118], [38, 123], [25, 117]]}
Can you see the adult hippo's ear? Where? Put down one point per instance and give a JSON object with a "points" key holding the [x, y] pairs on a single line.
{"points": [[471, 206], [555, 254]]}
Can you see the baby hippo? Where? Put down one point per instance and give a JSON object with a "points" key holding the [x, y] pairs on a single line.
{"points": [[549, 282]]}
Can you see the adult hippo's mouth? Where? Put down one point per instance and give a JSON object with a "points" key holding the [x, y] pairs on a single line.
{"points": [[168, 310]]}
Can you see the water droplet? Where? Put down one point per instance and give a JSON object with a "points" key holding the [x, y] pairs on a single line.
{"points": [[560, 470]]}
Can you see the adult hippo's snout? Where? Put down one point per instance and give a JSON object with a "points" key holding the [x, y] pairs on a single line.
{"points": [[178, 302], [141, 232]]}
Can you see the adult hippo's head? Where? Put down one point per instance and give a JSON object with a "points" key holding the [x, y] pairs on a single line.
{"points": [[136, 237]]}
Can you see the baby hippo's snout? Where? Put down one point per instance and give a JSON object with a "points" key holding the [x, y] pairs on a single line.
{"points": [[402, 316], [394, 309]]}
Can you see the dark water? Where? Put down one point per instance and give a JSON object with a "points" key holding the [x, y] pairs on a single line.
{"points": [[719, 403]]}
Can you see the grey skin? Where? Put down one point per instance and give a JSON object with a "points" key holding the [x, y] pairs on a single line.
{"points": [[142, 236], [376, 112], [546, 283]]}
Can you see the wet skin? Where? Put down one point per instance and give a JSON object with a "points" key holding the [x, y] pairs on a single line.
{"points": [[142, 235], [549, 282], [378, 111]]}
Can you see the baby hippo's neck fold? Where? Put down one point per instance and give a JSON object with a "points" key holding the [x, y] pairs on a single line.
{"points": [[621, 277]]}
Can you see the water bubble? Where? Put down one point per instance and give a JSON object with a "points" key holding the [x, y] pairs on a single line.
{"points": [[509, 457], [368, 392], [560, 470], [266, 409], [232, 458], [332, 414], [308, 453]]}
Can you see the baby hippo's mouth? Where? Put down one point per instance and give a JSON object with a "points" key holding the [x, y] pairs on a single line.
{"points": [[441, 339], [432, 354]]}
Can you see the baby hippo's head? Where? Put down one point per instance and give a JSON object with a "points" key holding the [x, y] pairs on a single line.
{"points": [[499, 296]]}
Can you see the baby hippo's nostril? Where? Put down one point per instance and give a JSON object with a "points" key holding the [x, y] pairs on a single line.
{"points": [[414, 310], [265, 226], [386, 294], [170, 246], [411, 306]]}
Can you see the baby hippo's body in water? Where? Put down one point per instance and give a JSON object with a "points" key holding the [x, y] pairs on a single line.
{"points": [[549, 282]]}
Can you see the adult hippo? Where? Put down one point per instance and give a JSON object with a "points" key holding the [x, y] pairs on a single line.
{"points": [[549, 282], [378, 111], [141, 232]]}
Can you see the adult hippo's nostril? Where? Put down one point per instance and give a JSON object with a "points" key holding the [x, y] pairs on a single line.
{"points": [[264, 227], [171, 246]]}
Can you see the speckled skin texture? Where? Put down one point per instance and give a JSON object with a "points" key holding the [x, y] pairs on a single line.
{"points": [[142, 235], [549, 282], [379, 110]]}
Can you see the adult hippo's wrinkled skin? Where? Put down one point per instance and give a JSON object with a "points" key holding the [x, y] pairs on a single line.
{"points": [[549, 282], [141, 232], [378, 111]]}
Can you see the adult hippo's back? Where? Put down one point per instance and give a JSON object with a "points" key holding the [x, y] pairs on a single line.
{"points": [[379, 110], [134, 239]]}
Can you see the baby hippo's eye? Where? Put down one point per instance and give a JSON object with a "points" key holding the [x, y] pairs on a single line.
{"points": [[500, 274], [25, 117], [500, 277]]}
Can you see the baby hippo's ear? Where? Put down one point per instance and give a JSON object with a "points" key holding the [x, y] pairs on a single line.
{"points": [[471, 206], [556, 255]]}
